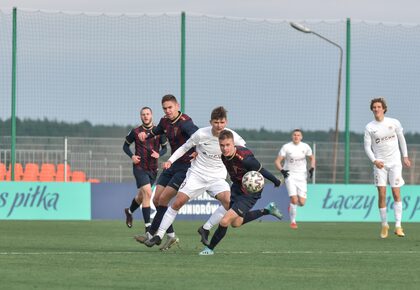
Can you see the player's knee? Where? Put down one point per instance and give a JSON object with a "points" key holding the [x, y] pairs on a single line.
{"points": [[237, 223], [138, 198], [225, 222], [177, 204], [147, 194]]}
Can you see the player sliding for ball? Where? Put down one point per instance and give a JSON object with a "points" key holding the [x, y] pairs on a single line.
{"points": [[238, 161]]}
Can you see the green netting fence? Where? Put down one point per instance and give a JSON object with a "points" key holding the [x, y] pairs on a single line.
{"points": [[102, 68]]}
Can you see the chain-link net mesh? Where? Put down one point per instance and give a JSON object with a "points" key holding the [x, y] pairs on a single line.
{"points": [[103, 68]]}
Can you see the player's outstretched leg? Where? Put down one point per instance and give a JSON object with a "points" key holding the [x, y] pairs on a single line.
{"points": [[204, 234], [169, 243], [273, 210], [128, 217], [206, 252], [143, 237], [155, 240]]}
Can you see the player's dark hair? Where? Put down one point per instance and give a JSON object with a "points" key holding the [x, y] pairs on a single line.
{"points": [[218, 113], [297, 130], [379, 100], [146, 108], [167, 98], [225, 134]]}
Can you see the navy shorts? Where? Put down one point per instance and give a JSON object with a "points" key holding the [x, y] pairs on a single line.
{"points": [[174, 175], [240, 202], [144, 177]]}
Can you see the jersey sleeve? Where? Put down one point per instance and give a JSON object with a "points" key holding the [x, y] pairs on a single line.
{"points": [[163, 144], [308, 150], [239, 141], [251, 163], [282, 151], [189, 128], [128, 140], [194, 140], [368, 145], [401, 139], [158, 130]]}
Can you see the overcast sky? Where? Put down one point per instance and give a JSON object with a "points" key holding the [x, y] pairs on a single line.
{"points": [[405, 11], [267, 60]]}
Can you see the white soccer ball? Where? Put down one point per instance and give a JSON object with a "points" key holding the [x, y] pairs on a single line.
{"points": [[253, 181]]}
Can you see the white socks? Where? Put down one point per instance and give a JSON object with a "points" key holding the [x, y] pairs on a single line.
{"points": [[398, 213], [292, 212], [167, 220], [215, 218], [382, 213]]}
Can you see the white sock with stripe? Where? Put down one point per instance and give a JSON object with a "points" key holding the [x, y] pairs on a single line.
{"points": [[167, 220], [215, 218], [398, 213]]}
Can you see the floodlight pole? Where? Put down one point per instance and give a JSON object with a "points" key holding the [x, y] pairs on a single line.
{"points": [[305, 29]]}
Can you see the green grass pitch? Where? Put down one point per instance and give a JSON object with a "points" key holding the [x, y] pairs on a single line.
{"points": [[259, 255]]}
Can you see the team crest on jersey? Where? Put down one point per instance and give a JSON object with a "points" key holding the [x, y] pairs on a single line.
{"points": [[235, 168], [390, 128]]}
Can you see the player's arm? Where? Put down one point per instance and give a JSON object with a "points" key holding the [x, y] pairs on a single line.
{"points": [[403, 145], [129, 139], [126, 147], [312, 161], [190, 143], [368, 146], [158, 130], [312, 168], [252, 164], [163, 145], [278, 162], [188, 128]]}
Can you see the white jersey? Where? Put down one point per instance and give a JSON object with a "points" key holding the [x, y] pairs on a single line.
{"points": [[381, 141], [209, 159], [295, 156]]}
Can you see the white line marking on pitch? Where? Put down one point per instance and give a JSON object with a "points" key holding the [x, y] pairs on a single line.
{"points": [[223, 252]]}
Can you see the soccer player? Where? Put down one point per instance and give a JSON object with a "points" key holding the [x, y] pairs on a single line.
{"points": [[294, 170], [207, 173], [383, 140], [145, 165], [178, 128], [238, 161]]}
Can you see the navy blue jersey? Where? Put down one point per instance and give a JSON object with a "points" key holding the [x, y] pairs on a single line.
{"points": [[144, 149], [236, 165], [243, 161], [178, 131]]}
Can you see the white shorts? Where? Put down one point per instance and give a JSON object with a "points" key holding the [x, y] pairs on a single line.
{"points": [[194, 185], [296, 186], [393, 174]]}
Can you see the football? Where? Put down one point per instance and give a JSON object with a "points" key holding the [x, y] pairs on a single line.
{"points": [[253, 181]]}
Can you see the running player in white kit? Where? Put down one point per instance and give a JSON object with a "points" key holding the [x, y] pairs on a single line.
{"points": [[207, 173], [294, 170], [383, 140]]}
